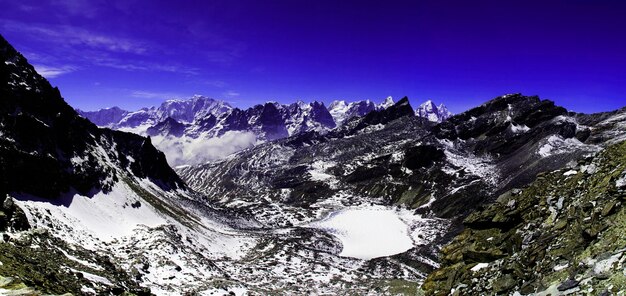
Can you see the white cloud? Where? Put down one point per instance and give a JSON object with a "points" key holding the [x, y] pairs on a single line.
{"points": [[70, 37], [231, 94], [185, 150], [216, 83], [107, 61], [154, 95], [52, 72]]}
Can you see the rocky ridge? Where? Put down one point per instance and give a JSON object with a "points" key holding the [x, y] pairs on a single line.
{"points": [[560, 235]]}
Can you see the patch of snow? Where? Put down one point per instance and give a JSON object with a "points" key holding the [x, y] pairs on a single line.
{"points": [[621, 182], [561, 267], [87, 290], [76, 160], [237, 291], [82, 262], [94, 278], [556, 144], [522, 128], [606, 265], [570, 173], [479, 266], [318, 170]]}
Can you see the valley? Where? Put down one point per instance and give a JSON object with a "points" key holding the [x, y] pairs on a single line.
{"points": [[358, 198]]}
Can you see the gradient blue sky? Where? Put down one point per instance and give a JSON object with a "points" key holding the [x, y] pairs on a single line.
{"points": [[135, 53]]}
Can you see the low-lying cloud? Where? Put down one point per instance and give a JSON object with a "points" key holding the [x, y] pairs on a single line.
{"points": [[189, 151]]}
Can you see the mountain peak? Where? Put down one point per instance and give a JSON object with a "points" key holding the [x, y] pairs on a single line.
{"points": [[429, 106], [432, 112], [388, 102], [337, 103]]}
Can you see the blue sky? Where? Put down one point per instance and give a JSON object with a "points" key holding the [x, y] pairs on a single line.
{"points": [[135, 53]]}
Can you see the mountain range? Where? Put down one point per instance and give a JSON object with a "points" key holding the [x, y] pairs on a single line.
{"points": [[176, 126], [515, 196]]}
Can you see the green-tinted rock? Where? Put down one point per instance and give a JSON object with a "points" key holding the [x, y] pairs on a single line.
{"points": [[503, 284]]}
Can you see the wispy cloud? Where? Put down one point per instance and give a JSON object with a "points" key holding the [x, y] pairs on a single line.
{"points": [[216, 83], [66, 36], [52, 72], [154, 95], [78, 46], [57, 43], [86, 8], [107, 61], [231, 94]]}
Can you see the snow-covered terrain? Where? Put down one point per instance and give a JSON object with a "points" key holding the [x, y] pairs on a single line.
{"points": [[104, 216]]}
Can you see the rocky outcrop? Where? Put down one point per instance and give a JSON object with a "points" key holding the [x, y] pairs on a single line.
{"points": [[562, 234]]}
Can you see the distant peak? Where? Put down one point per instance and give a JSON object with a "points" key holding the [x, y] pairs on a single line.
{"points": [[433, 112], [428, 102], [337, 104], [301, 104], [317, 104], [388, 102]]}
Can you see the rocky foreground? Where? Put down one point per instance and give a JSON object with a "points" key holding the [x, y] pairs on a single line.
{"points": [[563, 234]]}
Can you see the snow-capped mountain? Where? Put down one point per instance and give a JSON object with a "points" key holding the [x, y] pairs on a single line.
{"points": [[388, 102], [105, 117], [183, 111], [186, 128], [342, 111], [202, 129], [433, 112]]}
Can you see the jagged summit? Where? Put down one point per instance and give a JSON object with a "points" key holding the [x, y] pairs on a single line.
{"points": [[342, 111], [388, 102], [433, 112], [182, 110]]}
